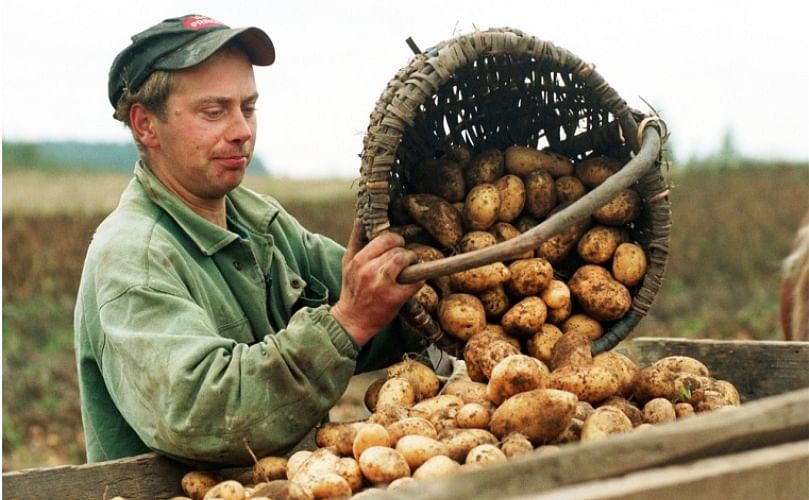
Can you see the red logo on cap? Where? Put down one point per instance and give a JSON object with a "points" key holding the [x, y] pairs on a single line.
{"points": [[200, 22]]}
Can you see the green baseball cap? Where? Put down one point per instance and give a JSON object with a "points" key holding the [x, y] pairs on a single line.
{"points": [[177, 43]]}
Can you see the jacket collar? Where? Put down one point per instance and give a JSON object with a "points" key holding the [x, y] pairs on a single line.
{"points": [[242, 205]]}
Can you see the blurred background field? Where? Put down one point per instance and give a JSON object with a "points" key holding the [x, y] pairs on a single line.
{"points": [[732, 226]]}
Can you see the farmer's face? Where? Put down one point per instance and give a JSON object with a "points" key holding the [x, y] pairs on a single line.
{"points": [[206, 138]]}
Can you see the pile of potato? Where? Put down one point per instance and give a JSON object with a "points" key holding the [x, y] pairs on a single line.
{"points": [[580, 279], [422, 428]]}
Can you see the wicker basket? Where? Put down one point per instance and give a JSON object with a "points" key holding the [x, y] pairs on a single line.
{"points": [[498, 88]]}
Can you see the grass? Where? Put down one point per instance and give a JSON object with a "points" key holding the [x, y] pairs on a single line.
{"points": [[731, 228]]}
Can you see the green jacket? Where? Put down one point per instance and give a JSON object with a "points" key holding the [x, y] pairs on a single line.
{"points": [[192, 340]]}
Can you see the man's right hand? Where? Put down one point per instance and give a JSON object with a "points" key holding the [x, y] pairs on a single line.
{"points": [[370, 296]]}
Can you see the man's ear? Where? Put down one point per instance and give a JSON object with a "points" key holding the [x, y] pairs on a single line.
{"points": [[142, 121]]}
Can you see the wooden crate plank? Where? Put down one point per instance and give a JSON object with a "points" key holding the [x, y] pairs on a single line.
{"points": [[757, 368], [764, 422], [776, 473], [144, 476]]}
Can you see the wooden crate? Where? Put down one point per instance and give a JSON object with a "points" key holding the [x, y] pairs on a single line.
{"points": [[768, 437]]}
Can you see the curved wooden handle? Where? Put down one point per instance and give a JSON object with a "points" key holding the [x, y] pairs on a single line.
{"points": [[576, 212]]}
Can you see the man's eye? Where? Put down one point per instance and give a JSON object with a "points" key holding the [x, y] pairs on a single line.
{"points": [[213, 113], [249, 110]]}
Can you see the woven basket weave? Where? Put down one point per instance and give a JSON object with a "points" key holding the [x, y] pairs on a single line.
{"points": [[494, 89]]}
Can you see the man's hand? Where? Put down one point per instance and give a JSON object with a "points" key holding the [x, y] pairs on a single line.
{"points": [[371, 297]]}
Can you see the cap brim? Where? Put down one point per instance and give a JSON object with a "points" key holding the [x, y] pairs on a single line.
{"points": [[255, 41]]}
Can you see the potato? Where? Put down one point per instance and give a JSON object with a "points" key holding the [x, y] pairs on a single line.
{"points": [[658, 382], [427, 253], [468, 390], [269, 469], [624, 368], [601, 297], [522, 160], [572, 349], [556, 294], [605, 421], [226, 490], [540, 415], [629, 409], [320, 461], [441, 177], [325, 485], [411, 426], [370, 435], [568, 189], [459, 153], [485, 454], [296, 461], [460, 441], [480, 278], [483, 168], [475, 240], [371, 394], [444, 419], [561, 314], [583, 323], [387, 415], [598, 244], [495, 301], [481, 355], [572, 432], [461, 315], [437, 216], [558, 246], [436, 404], [196, 484], [682, 364], [629, 264], [659, 410], [496, 332], [349, 469], [418, 449], [540, 194], [422, 377], [503, 231], [589, 383], [428, 298], [396, 483], [583, 410], [514, 374], [380, 464], [624, 208], [473, 416], [437, 466], [396, 391], [711, 401], [540, 343], [529, 276], [516, 444], [682, 410], [281, 489], [595, 170], [728, 391], [525, 317], [338, 435], [481, 207], [512, 197]]}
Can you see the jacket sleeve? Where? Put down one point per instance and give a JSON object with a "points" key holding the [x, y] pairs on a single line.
{"points": [[206, 398], [322, 258]]}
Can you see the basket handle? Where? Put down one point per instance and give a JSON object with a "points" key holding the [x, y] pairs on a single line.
{"points": [[581, 209]]}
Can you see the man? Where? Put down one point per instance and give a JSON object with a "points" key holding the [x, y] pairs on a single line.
{"points": [[208, 320]]}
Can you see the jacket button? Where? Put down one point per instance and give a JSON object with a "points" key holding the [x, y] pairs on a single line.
{"points": [[296, 283], [237, 265]]}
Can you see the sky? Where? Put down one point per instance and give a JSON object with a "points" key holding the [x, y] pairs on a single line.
{"points": [[708, 67]]}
